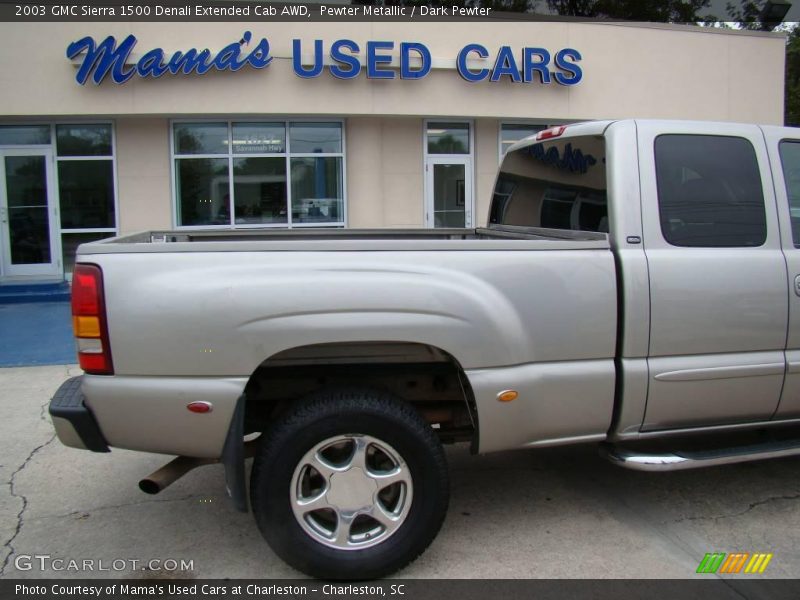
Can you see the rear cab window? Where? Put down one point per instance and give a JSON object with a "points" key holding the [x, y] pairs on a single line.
{"points": [[709, 191], [555, 184]]}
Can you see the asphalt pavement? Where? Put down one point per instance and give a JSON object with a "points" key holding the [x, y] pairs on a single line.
{"points": [[555, 513]]}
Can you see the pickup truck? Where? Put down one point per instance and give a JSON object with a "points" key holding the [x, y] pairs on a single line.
{"points": [[637, 287]]}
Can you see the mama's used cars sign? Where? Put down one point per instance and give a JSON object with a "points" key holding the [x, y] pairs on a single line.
{"points": [[99, 60]]}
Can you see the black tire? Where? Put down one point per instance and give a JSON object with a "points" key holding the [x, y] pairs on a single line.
{"points": [[341, 413]]}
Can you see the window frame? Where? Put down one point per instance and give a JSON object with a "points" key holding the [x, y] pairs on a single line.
{"points": [[231, 156], [56, 159], [112, 157], [52, 145], [427, 209]]}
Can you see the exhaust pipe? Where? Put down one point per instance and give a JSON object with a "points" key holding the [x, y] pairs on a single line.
{"points": [[159, 480]]}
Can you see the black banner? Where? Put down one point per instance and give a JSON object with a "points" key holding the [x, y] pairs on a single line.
{"points": [[400, 589], [220, 10], [227, 10]]}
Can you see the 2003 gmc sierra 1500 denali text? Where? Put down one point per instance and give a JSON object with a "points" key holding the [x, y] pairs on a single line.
{"points": [[638, 284]]}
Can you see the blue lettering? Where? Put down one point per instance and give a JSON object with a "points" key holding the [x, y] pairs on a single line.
{"points": [[151, 64], [297, 60], [405, 57], [102, 59], [572, 69], [109, 58], [374, 59], [505, 65], [259, 57], [228, 58], [531, 66], [192, 60], [345, 59], [461, 63]]}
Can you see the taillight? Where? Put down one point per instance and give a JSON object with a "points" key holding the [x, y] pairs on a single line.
{"points": [[89, 320], [553, 132]]}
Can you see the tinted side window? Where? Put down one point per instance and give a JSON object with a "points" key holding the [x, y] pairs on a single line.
{"points": [[709, 191], [790, 159]]}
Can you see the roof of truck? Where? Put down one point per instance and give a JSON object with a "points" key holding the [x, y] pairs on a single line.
{"points": [[570, 130]]}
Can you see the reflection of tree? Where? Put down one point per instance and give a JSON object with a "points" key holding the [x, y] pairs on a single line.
{"points": [[86, 140], [188, 142], [195, 178], [792, 97], [446, 144], [25, 176]]}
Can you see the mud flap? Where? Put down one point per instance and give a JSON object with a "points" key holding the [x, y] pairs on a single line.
{"points": [[233, 459]]}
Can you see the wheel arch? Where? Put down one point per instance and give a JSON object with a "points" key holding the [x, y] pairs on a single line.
{"points": [[427, 377]]}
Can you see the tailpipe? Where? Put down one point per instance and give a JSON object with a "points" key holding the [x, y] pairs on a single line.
{"points": [[159, 480]]}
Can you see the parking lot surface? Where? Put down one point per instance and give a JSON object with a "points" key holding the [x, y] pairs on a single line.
{"points": [[556, 513]]}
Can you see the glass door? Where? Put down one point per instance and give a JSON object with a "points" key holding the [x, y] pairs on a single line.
{"points": [[449, 192], [28, 215]]}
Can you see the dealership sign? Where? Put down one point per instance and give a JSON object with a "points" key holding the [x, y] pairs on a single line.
{"points": [[345, 60]]}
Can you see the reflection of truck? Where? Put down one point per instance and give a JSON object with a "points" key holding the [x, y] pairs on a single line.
{"points": [[671, 340]]}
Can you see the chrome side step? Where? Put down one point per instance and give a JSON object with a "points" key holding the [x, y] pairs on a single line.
{"points": [[678, 460]]}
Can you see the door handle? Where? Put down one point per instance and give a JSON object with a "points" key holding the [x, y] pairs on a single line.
{"points": [[797, 285], [2, 214]]}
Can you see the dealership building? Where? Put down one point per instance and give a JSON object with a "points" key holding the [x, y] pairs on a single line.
{"points": [[111, 128]]}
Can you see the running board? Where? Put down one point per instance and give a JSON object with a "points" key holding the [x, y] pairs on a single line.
{"points": [[679, 460]]}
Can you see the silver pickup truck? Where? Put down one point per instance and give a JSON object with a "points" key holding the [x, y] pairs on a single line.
{"points": [[637, 287]]}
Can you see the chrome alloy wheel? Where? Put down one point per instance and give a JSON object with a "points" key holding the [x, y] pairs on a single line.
{"points": [[351, 492]]}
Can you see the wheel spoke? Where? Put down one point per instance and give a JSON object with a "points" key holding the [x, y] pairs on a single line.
{"points": [[384, 517], [397, 475], [359, 457], [307, 505], [341, 536], [323, 467]]}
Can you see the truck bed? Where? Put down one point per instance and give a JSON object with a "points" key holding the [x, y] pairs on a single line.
{"points": [[494, 238]]}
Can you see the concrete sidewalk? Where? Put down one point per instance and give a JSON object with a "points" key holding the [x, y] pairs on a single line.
{"points": [[558, 513]]}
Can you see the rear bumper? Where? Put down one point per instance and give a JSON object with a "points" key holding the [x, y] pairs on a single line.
{"points": [[74, 423]]}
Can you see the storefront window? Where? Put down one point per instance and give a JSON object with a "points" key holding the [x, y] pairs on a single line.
{"points": [[317, 190], [24, 135], [448, 138], [86, 191], [85, 176], [266, 176], [259, 187], [83, 140], [259, 138], [316, 138], [203, 191], [201, 138], [510, 133]]}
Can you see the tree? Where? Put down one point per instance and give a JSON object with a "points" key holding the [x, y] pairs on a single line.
{"points": [[673, 11], [792, 82]]}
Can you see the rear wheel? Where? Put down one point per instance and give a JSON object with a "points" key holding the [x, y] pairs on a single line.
{"points": [[349, 484]]}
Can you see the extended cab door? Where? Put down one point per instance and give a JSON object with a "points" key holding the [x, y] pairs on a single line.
{"points": [[718, 283], [784, 153]]}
